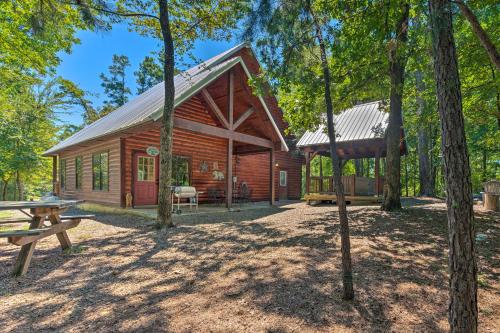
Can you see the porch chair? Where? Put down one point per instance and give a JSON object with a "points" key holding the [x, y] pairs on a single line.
{"points": [[185, 192], [243, 194], [215, 196]]}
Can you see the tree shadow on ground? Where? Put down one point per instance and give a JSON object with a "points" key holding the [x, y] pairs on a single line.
{"points": [[234, 268]]}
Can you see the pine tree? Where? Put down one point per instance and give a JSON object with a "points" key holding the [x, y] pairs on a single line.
{"points": [[149, 74], [462, 311], [114, 85], [296, 51]]}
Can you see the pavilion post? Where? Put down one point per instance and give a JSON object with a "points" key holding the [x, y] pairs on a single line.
{"points": [[54, 174], [320, 174], [229, 181], [308, 172], [272, 188], [377, 173]]}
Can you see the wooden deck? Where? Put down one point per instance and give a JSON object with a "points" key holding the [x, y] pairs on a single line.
{"points": [[351, 199]]}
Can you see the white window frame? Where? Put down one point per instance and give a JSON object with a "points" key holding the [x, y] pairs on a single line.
{"points": [[285, 183]]}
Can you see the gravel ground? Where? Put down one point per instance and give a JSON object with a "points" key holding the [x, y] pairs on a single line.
{"points": [[269, 270]]}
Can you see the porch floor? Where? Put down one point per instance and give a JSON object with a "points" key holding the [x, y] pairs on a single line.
{"points": [[212, 208]]}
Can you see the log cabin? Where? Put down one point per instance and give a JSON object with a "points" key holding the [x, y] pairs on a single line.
{"points": [[224, 135]]}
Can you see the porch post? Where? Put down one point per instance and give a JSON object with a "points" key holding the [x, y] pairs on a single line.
{"points": [[320, 174], [377, 173], [230, 101], [54, 174], [229, 182], [308, 172], [272, 190]]}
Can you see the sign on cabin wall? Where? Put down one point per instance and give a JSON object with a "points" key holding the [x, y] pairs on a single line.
{"points": [[152, 151]]}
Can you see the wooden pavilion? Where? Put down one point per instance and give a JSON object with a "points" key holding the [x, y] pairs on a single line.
{"points": [[360, 134]]}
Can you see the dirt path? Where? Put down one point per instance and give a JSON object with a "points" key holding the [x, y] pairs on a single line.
{"points": [[269, 270]]}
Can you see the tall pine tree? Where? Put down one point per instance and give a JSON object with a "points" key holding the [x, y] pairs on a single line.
{"points": [[114, 85], [149, 74], [462, 266], [292, 38]]}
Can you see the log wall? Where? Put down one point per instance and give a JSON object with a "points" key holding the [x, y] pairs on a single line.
{"points": [[112, 196], [254, 169]]}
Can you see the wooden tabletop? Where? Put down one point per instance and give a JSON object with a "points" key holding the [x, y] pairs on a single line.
{"points": [[6, 205]]}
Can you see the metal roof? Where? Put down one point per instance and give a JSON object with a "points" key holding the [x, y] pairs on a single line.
{"points": [[361, 122], [148, 105]]}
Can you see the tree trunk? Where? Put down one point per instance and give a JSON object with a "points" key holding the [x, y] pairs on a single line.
{"points": [[4, 189], [166, 131], [484, 176], [406, 176], [413, 179], [348, 291], [397, 64], [19, 186], [483, 37], [462, 267], [424, 165]]}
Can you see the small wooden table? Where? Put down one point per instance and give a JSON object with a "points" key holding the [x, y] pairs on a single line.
{"points": [[39, 211]]}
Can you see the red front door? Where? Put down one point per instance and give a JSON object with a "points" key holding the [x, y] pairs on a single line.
{"points": [[145, 169]]}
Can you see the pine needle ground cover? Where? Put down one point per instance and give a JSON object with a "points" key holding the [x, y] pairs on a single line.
{"points": [[269, 270]]}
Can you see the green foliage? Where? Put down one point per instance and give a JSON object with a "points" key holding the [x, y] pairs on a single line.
{"points": [[32, 34], [480, 91], [114, 84], [189, 20], [149, 74], [34, 31], [79, 97], [27, 125]]}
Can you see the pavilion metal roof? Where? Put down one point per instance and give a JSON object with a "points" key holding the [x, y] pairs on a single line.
{"points": [[148, 106], [361, 122]]}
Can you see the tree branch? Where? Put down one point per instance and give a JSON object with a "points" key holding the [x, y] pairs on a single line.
{"points": [[483, 37], [112, 12]]}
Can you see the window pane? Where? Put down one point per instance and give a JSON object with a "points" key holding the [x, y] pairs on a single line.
{"points": [[104, 172], [283, 179], [96, 171], [62, 168], [78, 172], [180, 171], [146, 169]]}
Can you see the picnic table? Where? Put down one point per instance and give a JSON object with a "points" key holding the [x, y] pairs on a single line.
{"points": [[39, 211]]}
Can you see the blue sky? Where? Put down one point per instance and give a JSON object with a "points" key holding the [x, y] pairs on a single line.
{"points": [[93, 56]]}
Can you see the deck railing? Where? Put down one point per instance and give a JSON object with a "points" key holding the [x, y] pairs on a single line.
{"points": [[352, 185]]}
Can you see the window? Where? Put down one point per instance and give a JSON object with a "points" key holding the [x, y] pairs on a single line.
{"points": [[100, 172], [180, 171], [62, 170], [78, 172], [146, 169], [283, 177]]}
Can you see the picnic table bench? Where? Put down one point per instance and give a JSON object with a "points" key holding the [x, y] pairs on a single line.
{"points": [[39, 211]]}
